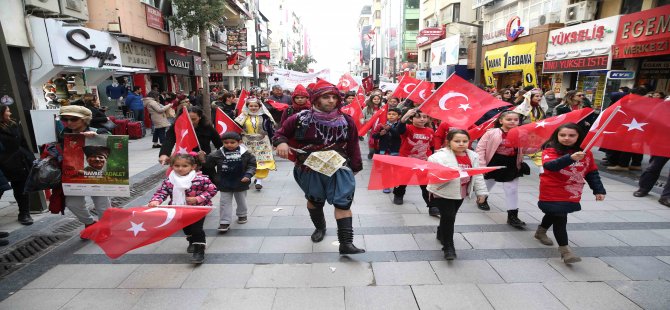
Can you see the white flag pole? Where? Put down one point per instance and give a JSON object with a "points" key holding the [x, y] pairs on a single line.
{"points": [[601, 129]]}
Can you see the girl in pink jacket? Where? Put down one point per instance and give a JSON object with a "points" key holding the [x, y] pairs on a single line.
{"points": [[494, 149]]}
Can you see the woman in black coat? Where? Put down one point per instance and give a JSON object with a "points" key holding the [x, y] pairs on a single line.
{"points": [[98, 115], [15, 161], [205, 133]]}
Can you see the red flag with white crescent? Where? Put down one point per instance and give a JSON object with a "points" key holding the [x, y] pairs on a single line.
{"points": [[225, 124], [405, 87], [353, 110], [421, 92], [185, 137], [346, 83], [460, 103], [240, 102], [533, 135], [277, 105], [122, 230], [378, 117], [360, 97]]}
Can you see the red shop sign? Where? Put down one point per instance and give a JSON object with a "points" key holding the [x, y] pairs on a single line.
{"points": [[428, 35], [154, 17], [645, 33], [576, 64]]}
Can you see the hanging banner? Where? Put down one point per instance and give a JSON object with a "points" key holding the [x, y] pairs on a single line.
{"points": [[96, 166], [289, 79], [511, 59]]}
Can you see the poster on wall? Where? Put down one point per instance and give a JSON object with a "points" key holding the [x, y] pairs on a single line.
{"points": [[237, 40], [593, 87], [515, 58], [95, 166]]}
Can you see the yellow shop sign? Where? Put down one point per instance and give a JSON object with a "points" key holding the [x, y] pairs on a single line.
{"points": [[511, 59]]}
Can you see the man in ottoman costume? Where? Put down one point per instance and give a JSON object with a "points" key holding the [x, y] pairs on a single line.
{"points": [[319, 129]]}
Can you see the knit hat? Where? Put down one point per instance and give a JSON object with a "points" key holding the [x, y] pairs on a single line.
{"points": [[300, 91], [321, 88], [75, 110], [92, 150]]}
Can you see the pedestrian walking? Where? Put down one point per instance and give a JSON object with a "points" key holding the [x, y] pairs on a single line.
{"points": [[300, 102], [258, 125], [15, 161], [448, 197], [388, 136], [416, 139], [158, 113], [186, 186], [235, 166], [135, 104], [324, 128], [494, 149], [76, 120], [372, 105], [566, 168], [649, 178]]}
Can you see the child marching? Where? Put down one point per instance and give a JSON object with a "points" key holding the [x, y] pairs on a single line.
{"points": [[388, 136], [257, 124], [494, 149], [566, 169], [416, 139], [448, 197], [235, 166], [186, 186]]}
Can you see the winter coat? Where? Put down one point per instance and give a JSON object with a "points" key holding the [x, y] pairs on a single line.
{"points": [[452, 189], [157, 112], [488, 145], [97, 117], [229, 109], [217, 160], [586, 122], [202, 189], [391, 140], [134, 101], [16, 159]]}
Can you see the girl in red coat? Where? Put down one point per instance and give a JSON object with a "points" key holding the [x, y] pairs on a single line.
{"points": [[566, 169]]}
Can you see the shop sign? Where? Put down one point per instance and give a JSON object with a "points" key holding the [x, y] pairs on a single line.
{"points": [[620, 75], [581, 47], [82, 47], [178, 64], [643, 34], [511, 58], [429, 35], [515, 28], [439, 73], [576, 64], [137, 55], [421, 74], [657, 69], [154, 17], [197, 65], [445, 52], [264, 55]]}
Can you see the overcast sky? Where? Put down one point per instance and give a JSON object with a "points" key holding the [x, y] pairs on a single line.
{"points": [[333, 28]]}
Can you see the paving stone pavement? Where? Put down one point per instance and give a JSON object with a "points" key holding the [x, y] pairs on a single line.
{"points": [[270, 262]]}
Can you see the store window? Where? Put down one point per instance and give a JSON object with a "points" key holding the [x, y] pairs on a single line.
{"points": [[541, 12], [412, 4], [631, 6], [412, 24]]}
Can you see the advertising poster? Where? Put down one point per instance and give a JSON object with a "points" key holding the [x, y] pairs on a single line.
{"points": [[96, 166], [514, 58]]}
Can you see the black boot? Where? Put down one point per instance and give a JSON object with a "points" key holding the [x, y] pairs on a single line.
{"points": [[25, 219], [198, 253], [319, 221], [449, 251], [190, 247], [345, 234], [484, 205], [513, 218], [438, 235]]}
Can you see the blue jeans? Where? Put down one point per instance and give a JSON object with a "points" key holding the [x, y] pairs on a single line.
{"points": [[159, 135], [139, 116]]}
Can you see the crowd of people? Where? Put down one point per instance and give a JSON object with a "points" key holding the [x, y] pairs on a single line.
{"points": [[313, 123]]}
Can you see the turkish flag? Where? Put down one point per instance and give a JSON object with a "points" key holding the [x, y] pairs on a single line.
{"points": [[122, 230], [479, 131], [378, 117], [368, 84], [240, 102], [353, 110], [421, 92], [277, 105], [460, 103], [186, 139], [232, 59], [346, 83], [225, 124], [391, 171], [360, 97], [405, 86], [533, 135], [640, 126]]}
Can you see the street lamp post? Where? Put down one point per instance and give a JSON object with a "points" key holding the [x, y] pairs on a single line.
{"points": [[478, 54]]}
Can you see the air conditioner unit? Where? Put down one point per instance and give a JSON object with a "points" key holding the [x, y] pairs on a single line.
{"points": [[43, 6], [580, 12], [77, 9]]}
